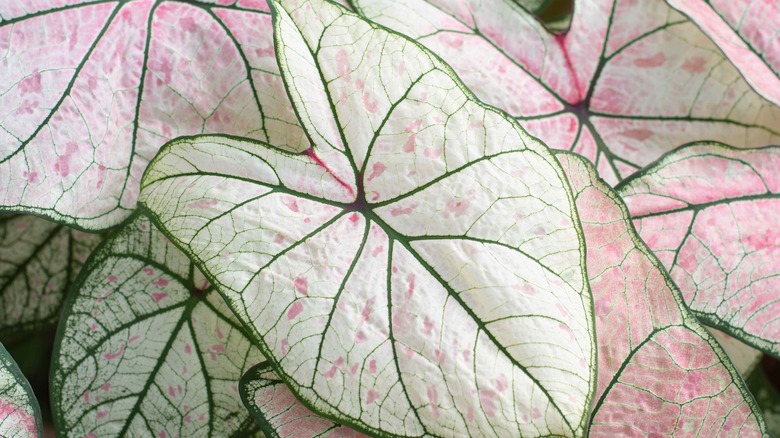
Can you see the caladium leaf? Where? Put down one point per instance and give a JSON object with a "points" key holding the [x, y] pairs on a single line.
{"points": [[660, 372], [38, 262], [768, 398], [628, 82], [279, 413], [20, 414], [404, 287], [90, 90], [146, 348], [746, 31], [711, 212]]}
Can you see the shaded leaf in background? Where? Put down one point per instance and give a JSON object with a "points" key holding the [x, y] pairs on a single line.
{"points": [[710, 212], [361, 263], [768, 398], [20, 415], [660, 371], [746, 31], [277, 411], [146, 348], [628, 82], [89, 91], [38, 262]]}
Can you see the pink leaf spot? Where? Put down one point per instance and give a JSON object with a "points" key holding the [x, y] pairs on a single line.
{"points": [[112, 278], [456, 208], [376, 170], [278, 238], [427, 326], [398, 211], [695, 65], [105, 387], [353, 369], [410, 286], [62, 166], [148, 271], [652, 61], [486, 397], [188, 24], [637, 134], [101, 414], [219, 348], [378, 250], [342, 62], [219, 333], [433, 153], [301, 285], [360, 337], [118, 353], [372, 366], [171, 391], [202, 203], [371, 105], [285, 345], [292, 204], [371, 396], [86, 396], [161, 434], [31, 84], [159, 296], [433, 398], [410, 143], [367, 308], [188, 349], [501, 383], [295, 310]]}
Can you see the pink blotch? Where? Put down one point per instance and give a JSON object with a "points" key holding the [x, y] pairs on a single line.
{"points": [[295, 310], [27, 107], [371, 106], [180, 390], [398, 211], [440, 356], [278, 238], [188, 349], [112, 356], [486, 397], [188, 24], [360, 84], [101, 414], [428, 326], [32, 178], [456, 208], [161, 434], [105, 387], [652, 61], [86, 396], [93, 327], [171, 391], [637, 134], [378, 250], [285, 345], [301, 285], [371, 397], [376, 170], [148, 271], [770, 239], [332, 371], [695, 65], [219, 333], [353, 369], [342, 62], [410, 143], [112, 278], [202, 203], [433, 153], [470, 414], [31, 84], [410, 286], [374, 195], [187, 419], [90, 435], [159, 296], [353, 218], [433, 398], [372, 366], [360, 337], [367, 308], [536, 414], [453, 41], [501, 383], [219, 348], [291, 204]]}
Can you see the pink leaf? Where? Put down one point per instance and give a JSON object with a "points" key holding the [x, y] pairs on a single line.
{"points": [[716, 231], [660, 372]]}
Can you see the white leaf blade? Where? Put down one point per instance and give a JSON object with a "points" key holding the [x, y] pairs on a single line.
{"points": [[20, 414]]}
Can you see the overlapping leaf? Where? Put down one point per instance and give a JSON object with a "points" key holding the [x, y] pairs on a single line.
{"points": [[279, 413], [628, 82], [660, 372], [405, 288], [746, 31], [90, 90], [744, 357], [20, 415], [38, 261], [711, 212], [145, 348]]}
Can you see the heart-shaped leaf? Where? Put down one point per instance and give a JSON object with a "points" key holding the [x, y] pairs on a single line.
{"points": [[628, 82], [145, 348], [279, 413], [91, 90], [20, 414], [746, 31], [420, 269], [660, 372], [711, 212], [38, 262]]}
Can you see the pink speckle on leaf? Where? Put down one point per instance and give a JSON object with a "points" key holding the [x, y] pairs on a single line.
{"points": [[501, 383], [284, 346], [486, 397], [656, 60], [112, 278], [342, 62], [171, 391], [410, 143], [278, 238], [353, 369], [410, 286], [218, 348], [637, 134], [31, 84], [456, 208], [433, 153], [101, 414], [188, 24], [398, 211], [86, 396], [301, 285], [695, 65], [371, 105], [291, 204], [118, 353], [371, 397], [332, 371], [427, 326], [433, 398], [218, 332], [203, 203], [159, 296], [376, 170], [372, 366], [105, 387], [295, 310], [367, 308], [188, 349], [378, 250], [360, 337]]}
